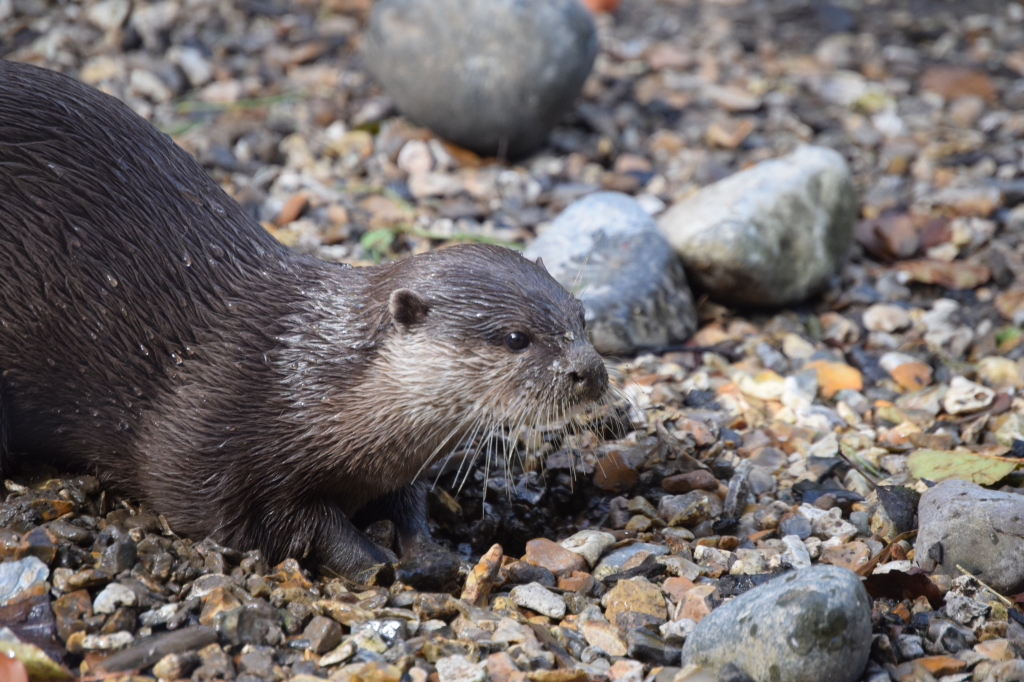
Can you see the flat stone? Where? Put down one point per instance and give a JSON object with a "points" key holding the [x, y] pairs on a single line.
{"points": [[982, 530], [589, 544], [604, 636], [554, 557], [491, 76], [22, 578], [538, 598], [635, 595], [608, 251], [769, 235], [809, 625], [885, 317], [613, 561]]}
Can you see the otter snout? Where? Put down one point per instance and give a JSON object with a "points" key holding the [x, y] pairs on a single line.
{"points": [[587, 373]]}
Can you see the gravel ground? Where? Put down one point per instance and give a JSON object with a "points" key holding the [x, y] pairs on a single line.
{"points": [[780, 439]]}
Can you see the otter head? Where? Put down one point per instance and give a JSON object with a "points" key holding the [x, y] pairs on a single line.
{"points": [[482, 336]]}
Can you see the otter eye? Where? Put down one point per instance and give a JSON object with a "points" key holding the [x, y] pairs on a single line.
{"points": [[517, 341]]}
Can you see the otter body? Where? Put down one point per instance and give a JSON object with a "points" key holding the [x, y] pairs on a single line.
{"points": [[152, 332]]}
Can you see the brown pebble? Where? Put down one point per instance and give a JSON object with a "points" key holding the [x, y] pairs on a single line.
{"points": [[700, 479], [483, 576], [292, 209], [554, 557]]}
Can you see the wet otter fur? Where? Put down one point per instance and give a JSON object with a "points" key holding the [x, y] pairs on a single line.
{"points": [[152, 332]]}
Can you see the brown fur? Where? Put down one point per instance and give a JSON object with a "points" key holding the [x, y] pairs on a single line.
{"points": [[154, 333]]}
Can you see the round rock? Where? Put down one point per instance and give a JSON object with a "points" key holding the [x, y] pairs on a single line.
{"points": [[808, 625], [608, 251], [982, 530], [493, 76], [769, 235]]}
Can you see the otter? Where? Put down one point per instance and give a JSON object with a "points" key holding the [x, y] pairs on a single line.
{"points": [[153, 333]]}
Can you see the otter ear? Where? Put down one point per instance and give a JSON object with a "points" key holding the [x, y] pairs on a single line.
{"points": [[540, 262], [407, 307]]}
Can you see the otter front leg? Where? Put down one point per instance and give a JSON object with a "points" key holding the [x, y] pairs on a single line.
{"points": [[405, 507], [341, 547]]}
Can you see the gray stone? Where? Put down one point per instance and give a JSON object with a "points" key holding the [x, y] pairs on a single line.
{"points": [[613, 561], [809, 625], [491, 75], [536, 597], [17, 577], [589, 544], [770, 235], [608, 251], [982, 530], [323, 634]]}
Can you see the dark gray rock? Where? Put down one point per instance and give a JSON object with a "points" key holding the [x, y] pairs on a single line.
{"points": [[769, 235], [607, 250], [809, 625], [491, 75], [982, 530]]}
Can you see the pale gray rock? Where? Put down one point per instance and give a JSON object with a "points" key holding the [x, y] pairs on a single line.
{"points": [[607, 250], [538, 598], [982, 530], [769, 235], [18, 577], [806, 626], [491, 75]]}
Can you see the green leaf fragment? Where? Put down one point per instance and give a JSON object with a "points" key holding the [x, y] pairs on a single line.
{"points": [[940, 465]]}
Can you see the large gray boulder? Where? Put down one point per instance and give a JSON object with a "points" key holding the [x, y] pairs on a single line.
{"points": [[810, 625], [493, 76], [960, 522], [769, 235], [607, 250]]}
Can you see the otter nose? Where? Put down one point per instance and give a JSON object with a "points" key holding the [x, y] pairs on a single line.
{"points": [[588, 374]]}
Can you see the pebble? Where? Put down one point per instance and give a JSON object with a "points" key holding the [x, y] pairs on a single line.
{"points": [[459, 669], [554, 557], [886, 317], [961, 523], [22, 578], [634, 596], [112, 596], [536, 597], [604, 636], [809, 625], [734, 236], [590, 544], [491, 76], [965, 396], [613, 561], [609, 251]]}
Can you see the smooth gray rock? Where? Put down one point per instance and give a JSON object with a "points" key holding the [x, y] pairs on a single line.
{"points": [[982, 530], [807, 626], [769, 235], [607, 250], [493, 76]]}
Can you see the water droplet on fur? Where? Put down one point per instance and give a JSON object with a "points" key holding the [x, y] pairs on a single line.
{"points": [[51, 362], [187, 259], [144, 350], [112, 280], [177, 359], [217, 251]]}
